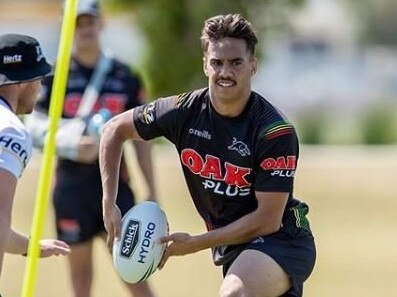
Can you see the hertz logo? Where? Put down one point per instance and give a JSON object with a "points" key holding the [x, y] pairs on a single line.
{"points": [[12, 59], [16, 147], [130, 239]]}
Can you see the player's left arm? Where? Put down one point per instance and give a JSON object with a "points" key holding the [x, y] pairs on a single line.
{"points": [[8, 182], [265, 220]]}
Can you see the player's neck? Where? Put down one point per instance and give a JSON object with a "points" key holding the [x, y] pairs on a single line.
{"points": [[88, 58], [230, 107]]}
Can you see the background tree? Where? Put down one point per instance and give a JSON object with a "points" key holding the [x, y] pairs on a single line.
{"points": [[172, 61], [377, 19]]}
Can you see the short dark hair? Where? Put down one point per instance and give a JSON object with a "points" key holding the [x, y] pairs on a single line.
{"points": [[229, 25]]}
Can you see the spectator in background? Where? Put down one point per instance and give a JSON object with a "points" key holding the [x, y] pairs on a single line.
{"points": [[98, 87]]}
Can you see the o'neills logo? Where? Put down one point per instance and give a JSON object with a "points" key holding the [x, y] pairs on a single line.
{"points": [[130, 239]]}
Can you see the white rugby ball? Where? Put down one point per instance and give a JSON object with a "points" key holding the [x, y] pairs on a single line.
{"points": [[139, 251]]}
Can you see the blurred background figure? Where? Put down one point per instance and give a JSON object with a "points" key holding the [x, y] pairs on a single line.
{"points": [[337, 57], [99, 86]]}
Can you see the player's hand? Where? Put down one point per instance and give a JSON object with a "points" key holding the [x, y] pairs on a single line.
{"points": [[112, 221], [88, 149], [179, 244], [152, 199], [53, 247]]}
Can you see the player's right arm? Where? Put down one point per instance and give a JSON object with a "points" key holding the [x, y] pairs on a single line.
{"points": [[114, 134], [11, 241], [8, 183], [144, 122]]}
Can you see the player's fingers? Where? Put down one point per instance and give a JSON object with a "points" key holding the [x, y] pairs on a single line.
{"points": [[54, 251], [62, 251], [65, 251], [117, 230], [109, 240], [164, 259], [165, 239], [62, 247], [62, 244]]}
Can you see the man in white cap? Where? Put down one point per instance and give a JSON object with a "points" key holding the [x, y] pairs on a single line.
{"points": [[22, 66]]}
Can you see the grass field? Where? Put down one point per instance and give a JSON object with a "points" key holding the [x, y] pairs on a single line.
{"points": [[353, 214]]}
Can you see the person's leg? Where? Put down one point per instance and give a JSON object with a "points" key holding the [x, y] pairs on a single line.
{"points": [[140, 290], [254, 274], [75, 225], [81, 268]]}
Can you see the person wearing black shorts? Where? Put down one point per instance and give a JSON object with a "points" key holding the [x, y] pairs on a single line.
{"points": [[239, 155], [77, 193]]}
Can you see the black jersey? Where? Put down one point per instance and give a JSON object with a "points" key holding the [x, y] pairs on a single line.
{"points": [[225, 160], [121, 90]]}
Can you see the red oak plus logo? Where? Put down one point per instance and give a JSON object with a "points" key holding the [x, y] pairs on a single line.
{"points": [[114, 102], [281, 166], [232, 183]]}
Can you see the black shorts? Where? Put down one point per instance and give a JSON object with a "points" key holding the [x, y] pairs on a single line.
{"points": [[78, 206], [294, 251]]}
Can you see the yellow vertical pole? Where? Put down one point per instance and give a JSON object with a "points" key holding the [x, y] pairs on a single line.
{"points": [[56, 106]]}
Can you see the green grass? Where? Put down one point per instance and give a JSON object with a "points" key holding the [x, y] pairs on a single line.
{"points": [[352, 201]]}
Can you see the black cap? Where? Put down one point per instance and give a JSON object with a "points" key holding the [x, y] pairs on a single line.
{"points": [[21, 59], [90, 7]]}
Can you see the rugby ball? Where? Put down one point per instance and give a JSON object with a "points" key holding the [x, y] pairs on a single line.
{"points": [[139, 251]]}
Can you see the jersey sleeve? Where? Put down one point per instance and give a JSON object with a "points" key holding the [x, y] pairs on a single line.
{"points": [[14, 150], [162, 117], [277, 159]]}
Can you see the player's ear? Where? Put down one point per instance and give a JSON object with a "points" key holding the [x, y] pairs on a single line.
{"points": [[254, 65], [205, 66]]}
